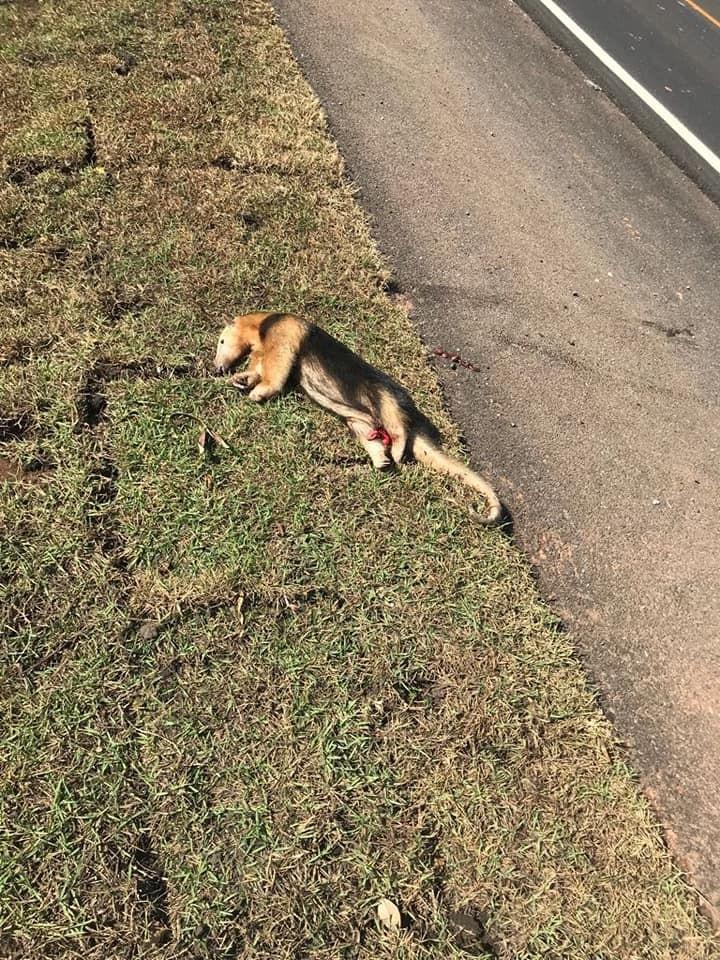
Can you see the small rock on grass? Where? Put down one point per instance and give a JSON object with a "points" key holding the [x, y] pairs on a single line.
{"points": [[388, 914]]}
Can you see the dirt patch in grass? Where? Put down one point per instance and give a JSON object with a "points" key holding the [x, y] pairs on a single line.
{"points": [[248, 690], [14, 426]]}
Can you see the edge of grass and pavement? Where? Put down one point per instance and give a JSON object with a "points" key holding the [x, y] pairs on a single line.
{"points": [[249, 686]]}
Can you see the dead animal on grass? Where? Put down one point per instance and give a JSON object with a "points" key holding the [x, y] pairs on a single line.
{"points": [[285, 349]]}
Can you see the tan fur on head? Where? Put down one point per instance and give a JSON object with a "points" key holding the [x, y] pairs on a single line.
{"points": [[236, 341]]}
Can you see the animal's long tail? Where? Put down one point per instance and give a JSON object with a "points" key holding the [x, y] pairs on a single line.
{"points": [[433, 456]]}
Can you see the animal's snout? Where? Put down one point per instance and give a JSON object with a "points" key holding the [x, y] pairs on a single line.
{"points": [[220, 369]]}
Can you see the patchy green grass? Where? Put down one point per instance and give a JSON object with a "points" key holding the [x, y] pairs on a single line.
{"points": [[247, 693]]}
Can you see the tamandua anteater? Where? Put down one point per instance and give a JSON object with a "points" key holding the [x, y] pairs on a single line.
{"points": [[378, 411]]}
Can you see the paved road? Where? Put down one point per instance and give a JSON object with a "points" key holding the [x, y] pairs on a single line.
{"points": [[671, 48], [540, 233]]}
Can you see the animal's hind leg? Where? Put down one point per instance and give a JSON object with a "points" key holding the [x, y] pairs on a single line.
{"points": [[394, 423], [375, 448], [399, 445]]}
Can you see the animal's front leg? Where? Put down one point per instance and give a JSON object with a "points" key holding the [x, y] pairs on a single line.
{"points": [[263, 391], [277, 362], [246, 380], [252, 375]]}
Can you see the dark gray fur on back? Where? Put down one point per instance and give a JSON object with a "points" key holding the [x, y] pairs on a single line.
{"points": [[359, 384]]}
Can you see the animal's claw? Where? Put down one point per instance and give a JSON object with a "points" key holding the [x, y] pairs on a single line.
{"points": [[244, 382]]}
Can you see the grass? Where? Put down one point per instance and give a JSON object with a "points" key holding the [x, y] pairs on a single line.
{"points": [[246, 693]]}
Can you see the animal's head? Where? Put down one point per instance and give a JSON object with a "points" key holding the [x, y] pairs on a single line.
{"points": [[233, 345]]}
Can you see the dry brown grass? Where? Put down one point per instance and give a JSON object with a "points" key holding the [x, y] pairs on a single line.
{"points": [[247, 694]]}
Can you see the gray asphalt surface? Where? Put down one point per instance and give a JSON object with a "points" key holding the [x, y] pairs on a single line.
{"points": [[668, 46], [539, 233]]}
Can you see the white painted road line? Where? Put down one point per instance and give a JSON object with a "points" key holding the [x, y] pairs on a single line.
{"points": [[695, 143]]}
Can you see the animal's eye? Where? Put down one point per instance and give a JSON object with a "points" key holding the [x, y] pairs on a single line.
{"points": [[222, 341]]}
